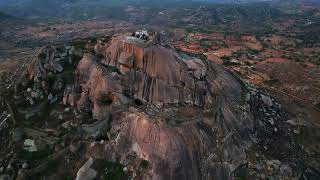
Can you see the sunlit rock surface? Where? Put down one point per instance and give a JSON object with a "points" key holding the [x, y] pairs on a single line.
{"points": [[191, 119]]}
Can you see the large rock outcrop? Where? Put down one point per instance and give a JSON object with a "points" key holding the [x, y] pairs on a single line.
{"points": [[154, 75], [190, 118], [141, 110]]}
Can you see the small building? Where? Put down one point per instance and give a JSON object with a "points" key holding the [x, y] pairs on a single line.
{"points": [[142, 34]]}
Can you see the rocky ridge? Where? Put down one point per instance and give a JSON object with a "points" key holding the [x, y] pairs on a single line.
{"points": [[146, 112], [189, 118]]}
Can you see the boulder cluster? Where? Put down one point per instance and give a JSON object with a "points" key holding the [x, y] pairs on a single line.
{"points": [[44, 80]]}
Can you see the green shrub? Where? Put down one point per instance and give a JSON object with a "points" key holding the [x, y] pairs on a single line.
{"points": [[272, 81], [144, 164], [317, 106], [226, 58], [113, 171], [79, 45], [38, 155], [254, 52]]}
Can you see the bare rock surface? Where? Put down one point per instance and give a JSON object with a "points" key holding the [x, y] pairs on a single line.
{"points": [[86, 172], [143, 111], [188, 117]]}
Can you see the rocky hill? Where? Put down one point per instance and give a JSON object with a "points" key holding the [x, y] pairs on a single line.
{"points": [[137, 108], [176, 103], [5, 18]]}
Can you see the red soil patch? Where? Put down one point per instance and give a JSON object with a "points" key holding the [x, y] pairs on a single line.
{"points": [[272, 53], [214, 58], [274, 60], [274, 40], [249, 38], [254, 46], [228, 51]]}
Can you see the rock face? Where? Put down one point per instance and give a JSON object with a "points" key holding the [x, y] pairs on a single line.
{"points": [[144, 111], [188, 152], [153, 75], [45, 80], [86, 172], [189, 118], [48, 61]]}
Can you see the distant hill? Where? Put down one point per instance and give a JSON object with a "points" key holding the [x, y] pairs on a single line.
{"points": [[11, 2], [5, 17], [8, 21], [88, 9], [51, 9]]}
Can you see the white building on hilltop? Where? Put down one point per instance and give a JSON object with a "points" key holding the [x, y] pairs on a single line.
{"points": [[142, 34]]}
